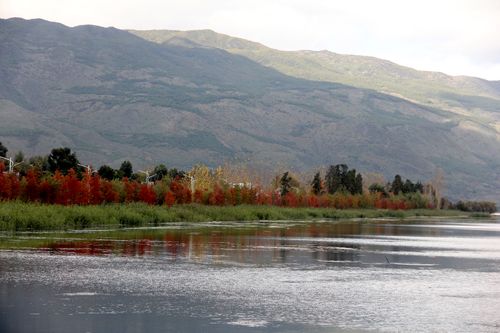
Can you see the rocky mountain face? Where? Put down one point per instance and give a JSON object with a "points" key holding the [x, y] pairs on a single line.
{"points": [[169, 97]]}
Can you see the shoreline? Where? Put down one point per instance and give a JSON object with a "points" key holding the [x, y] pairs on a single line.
{"points": [[19, 216]]}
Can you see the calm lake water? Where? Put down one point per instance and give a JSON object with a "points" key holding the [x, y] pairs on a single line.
{"points": [[424, 275]]}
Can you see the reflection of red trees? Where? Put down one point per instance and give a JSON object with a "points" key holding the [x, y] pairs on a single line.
{"points": [[241, 245], [82, 248], [137, 247], [171, 244]]}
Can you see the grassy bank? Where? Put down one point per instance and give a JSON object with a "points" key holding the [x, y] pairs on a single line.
{"points": [[17, 216]]}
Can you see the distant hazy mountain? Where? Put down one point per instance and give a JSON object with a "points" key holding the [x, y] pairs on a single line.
{"points": [[187, 97]]}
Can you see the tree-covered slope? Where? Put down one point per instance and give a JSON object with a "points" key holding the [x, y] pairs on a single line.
{"points": [[111, 95]]}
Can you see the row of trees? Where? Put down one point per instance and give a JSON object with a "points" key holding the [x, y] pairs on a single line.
{"points": [[91, 189], [59, 177], [397, 186]]}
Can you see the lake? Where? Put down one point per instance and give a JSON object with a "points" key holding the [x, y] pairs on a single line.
{"points": [[326, 276]]}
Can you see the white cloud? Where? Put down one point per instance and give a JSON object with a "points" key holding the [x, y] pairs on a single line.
{"points": [[454, 36]]}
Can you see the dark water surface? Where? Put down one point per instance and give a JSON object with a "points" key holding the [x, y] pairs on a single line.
{"points": [[424, 275]]}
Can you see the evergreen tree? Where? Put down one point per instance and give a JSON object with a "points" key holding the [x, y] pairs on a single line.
{"points": [[176, 174], [316, 184], [377, 188], [285, 184], [19, 157], [3, 150], [160, 171], [358, 184], [62, 159], [408, 187], [106, 172], [397, 185], [333, 178], [350, 181], [125, 170], [340, 179], [419, 187]]}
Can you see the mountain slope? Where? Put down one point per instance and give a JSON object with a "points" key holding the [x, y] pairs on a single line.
{"points": [[111, 95], [475, 100]]}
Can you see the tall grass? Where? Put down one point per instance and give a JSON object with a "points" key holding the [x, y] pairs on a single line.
{"points": [[20, 216]]}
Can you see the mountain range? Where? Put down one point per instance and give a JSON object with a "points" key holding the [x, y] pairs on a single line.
{"points": [[185, 97]]}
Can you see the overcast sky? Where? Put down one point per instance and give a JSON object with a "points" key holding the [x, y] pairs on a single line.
{"points": [[451, 36]]}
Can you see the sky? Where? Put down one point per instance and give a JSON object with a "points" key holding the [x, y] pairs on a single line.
{"points": [[457, 37]]}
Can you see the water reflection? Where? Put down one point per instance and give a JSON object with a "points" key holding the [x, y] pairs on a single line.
{"points": [[326, 243], [418, 276]]}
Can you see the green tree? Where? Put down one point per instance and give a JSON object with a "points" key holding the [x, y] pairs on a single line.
{"points": [[176, 174], [285, 184], [21, 166], [349, 181], [125, 170], [408, 187], [106, 172], [397, 185], [3, 150], [419, 187], [160, 171], [334, 177], [316, 184], [19, 157], [377, 188], [358, 184], [41, 163], [62, 159], [340, 179]]}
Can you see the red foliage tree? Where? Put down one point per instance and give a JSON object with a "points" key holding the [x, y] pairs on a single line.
{"points": [[169, 198], [216, 197], [264, 198], [69, 190], [32, 186], [147, 194], [290, 200], [198, 197], [14, 187], [108, 194], [131, 190], [96, 196], [182, 193], [48, 192], [84, 197], [312, 201]]}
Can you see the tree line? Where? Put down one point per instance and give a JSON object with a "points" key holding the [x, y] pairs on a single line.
{"points": [[60, 178]]}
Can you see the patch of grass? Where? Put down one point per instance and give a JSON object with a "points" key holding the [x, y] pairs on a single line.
{"points": [[19, 216]]}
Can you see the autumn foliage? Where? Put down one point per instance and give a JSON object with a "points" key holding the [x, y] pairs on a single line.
{"points": [[90, 189]]}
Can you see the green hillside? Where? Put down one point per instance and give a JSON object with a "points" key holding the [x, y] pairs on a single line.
{"points": [[111, 95]]}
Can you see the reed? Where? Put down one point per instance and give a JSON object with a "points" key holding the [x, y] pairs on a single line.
{"points": [[21, 216]]}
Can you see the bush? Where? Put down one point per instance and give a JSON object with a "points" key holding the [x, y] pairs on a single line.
{"points": [[476, 206]]}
